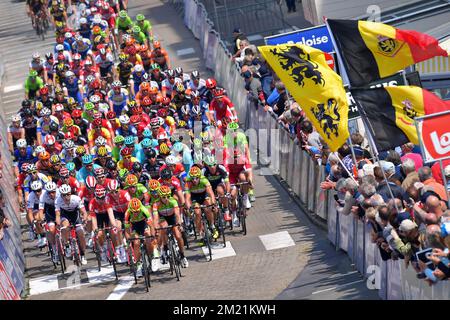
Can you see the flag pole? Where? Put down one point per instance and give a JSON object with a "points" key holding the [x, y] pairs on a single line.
{"points": [[445, 181], [345, 168]]}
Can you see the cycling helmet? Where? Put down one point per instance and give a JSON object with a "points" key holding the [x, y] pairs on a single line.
{"points": [[99, 171], [43, 91], [33, 73], [63, 172], [112, 185], [111, 115], [131, 104], [111, 165], [129, 140], [68, 122], [131, 180], [146, 143], [156, 44], [154, 123], [137, 167], [161, 121], [77, 57], [126, 152], [140, 17], [147, 133], [170, 73], [123, 173], [91, 182], [123, 14], [150, 153], [83, 20], [100, 192], [119, 139], [138, 67], [124, 119], [233, 126], [164, 191], [195, 172], [171, 160], [39, 149], [179, 88], [50, 186], [162, 136], [135, 205], [137, 110], [70, 166], [155, 66], [54, 159], [44, 155], [178, 71], [69, 74], [45, 112], [163, 112], [87, 159], [90, 78], [89, 106], [36, 185], [16, 118], [123, 57], [80, 150], [27, 113], [94, 99], [153, 185], [97, 123], [32, 168], [102, 151], [100, 141], [185, 109], [21, 143], [68, 144], [218, 92], [211, 83], [195, 75], [136, 29], [49, 55], [53, 126], [116, 84], [210, 160], [166, 174], [146, 101]]}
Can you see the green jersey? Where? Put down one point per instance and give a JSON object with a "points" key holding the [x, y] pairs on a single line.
{"points": [[199, 188], [140, 190], [165, 209], [139, 37], [124, 24], [145, 26], [133, 217], [33, 85]]}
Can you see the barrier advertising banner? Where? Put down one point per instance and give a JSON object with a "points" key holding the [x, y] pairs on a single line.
{"points": [[7, 289], [434, 136]]}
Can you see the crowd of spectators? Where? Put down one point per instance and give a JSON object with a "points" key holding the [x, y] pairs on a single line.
{"points": [[403, 201]]}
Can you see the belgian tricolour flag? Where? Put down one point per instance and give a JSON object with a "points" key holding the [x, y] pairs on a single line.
{"points": [[372, 50], [314, 86], [391, 112]]}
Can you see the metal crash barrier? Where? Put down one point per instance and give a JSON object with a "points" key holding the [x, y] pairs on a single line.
{"points": [[279, 154]]}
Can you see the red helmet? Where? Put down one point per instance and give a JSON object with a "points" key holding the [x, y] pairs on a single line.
{"points": [[61, 57], [126, 152], [77, 113], [113, 185], [218, 92], [91, 182], [60, 40], [146, 101], [143, 48], [50, 140], [162, 113], [69, 135], [166, 101], [132, 50], [43, 90], [111, 115], [137, 110], [63, 172], [135, 118], [97, 123], [95, 84], [99, 171], [97, 115], [100, 191], [211, 83]]}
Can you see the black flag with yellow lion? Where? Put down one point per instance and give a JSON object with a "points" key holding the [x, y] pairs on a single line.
{"points": [[314, 86]]}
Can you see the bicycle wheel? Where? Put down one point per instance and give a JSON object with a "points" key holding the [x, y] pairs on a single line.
{"points": [[174, 260], [242, 220], [132, 262], [98, 256], [76, 252], [207, 238], [145, 267], [184, 235], [112, 257], [62, 259], [221, 223]]}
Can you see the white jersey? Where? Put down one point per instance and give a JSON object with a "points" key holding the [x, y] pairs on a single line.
{"points": [[201, 83], [45, 199], [33, 201], [74, 204]]}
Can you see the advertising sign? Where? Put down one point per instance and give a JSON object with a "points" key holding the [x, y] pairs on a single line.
{"points": [[316, 37], [434, 136], [7, 289]]}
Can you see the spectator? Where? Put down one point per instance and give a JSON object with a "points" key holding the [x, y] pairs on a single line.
{"points": [[409, 169], [238, 36], [4, 223], [447, 176], [291, 6], [253, 86], [394, 157], [358, 140], [291, 117], [425, 176], [276, 102], [407, 151], [429, 211], [383, 186], [310, 137], [436, 170], [240, 55]]}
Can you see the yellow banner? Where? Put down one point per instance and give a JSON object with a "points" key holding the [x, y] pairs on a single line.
{"points": [[314, 86]]}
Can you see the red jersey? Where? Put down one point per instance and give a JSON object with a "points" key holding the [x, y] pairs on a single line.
{"points": [[96, 207], [85, 194], [174, 184], [73, 183], [238, 166], [222, 109], [121, 203], [105, 184]]}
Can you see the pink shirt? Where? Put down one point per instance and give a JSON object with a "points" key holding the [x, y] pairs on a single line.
{"points": [[417, 158]]}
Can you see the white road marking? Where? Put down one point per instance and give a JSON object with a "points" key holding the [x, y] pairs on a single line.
{"points": [[13, 88], [186, 51], [122, 288], [104, 275], [334, 288], [277, 240], [44, 284], [255, 37], [219, 252]]}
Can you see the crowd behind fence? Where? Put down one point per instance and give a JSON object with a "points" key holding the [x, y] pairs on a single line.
{"points": [[280, 154]]}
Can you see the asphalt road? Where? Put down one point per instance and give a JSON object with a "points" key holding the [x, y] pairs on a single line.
{"points": [[283, 256]]}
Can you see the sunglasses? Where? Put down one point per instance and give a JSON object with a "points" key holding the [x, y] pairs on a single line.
{"points": [[88, 165], [127, 157], [66, 195]]}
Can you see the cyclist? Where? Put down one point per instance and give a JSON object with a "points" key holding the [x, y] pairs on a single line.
{"points": [[102, 215], [47, 210], [160, 56], [169, 215], [220, 107], [139, 221], [33, 217], [198, 191], [29, 123], [117, 97], [124, 69], [105, 60], [145, 26], [153, 164], [137, 77], [139, 36], [88, 168], [136, 189], [119, 200], [68, 208], [32, 85], [123, 24], [217, 175], [34, 8]]}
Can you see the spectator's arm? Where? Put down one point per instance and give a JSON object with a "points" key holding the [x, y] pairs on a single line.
{"points": [[349, 203]]}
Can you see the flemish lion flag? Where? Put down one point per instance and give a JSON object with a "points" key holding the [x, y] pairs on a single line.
{"points": [[314, 86], [391, 112], [373, 50]]}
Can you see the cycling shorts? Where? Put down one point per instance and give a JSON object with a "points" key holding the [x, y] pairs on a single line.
{"points": [[119, 216], [72, 216], [49, 211], [171, 220], [199, 197], [139, 227], [102, 220]]}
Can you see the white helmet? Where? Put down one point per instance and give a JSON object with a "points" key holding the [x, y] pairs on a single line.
{"points": [[50, 186], [16, 118], [83, 20], [36, 185], [21, 143], [138, 68], [67, 35], [124, 119], [39, 149], [64, 189], [100, 141], [170, 160], [59, 47], [36, 55], [46, 112], [68, 144], [69, 74], [94, 99]]}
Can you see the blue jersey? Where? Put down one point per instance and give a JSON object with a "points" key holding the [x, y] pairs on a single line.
{"points": [[82, 174], [204, 121], [29, 157], [131, 131]]}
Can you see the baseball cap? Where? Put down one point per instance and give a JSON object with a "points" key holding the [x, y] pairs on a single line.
{"points": [[358, 151], [407, 225], [387, 166], [237, 30]]}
